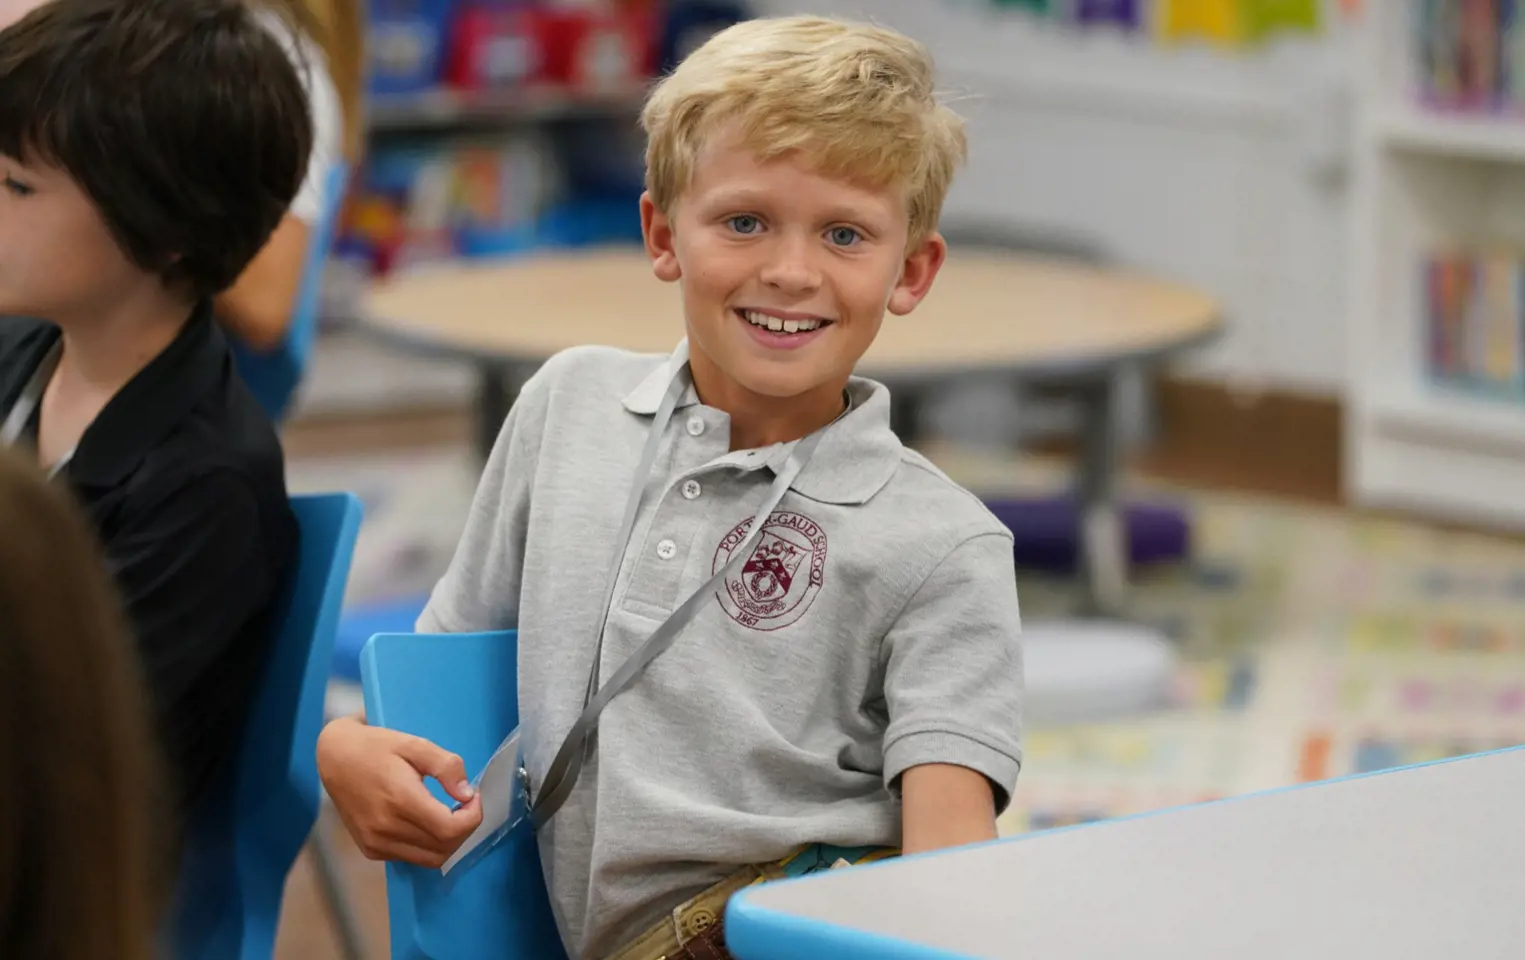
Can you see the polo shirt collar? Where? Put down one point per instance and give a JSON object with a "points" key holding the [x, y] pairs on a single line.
{"points": [[648, 394], [152, 403], [856, 457], [858, 454]]}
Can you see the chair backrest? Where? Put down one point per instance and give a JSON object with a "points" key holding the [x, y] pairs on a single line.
{"points": [[241, 845], [273, 377], [461, 692]]}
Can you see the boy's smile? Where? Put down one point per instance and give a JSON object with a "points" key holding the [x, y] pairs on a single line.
{"points": [[786, 273], [782, 329]]}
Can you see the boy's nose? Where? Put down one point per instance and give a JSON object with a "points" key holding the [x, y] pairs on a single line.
{"points": [[789, 269]]}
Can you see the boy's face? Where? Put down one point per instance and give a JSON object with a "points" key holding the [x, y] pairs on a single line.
{"points": [[58, 259], [785, 273]]}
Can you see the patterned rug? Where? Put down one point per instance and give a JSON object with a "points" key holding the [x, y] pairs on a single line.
{"points": [[1314, 643]]}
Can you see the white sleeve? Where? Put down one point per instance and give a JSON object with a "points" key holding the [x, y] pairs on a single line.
{"points": [[327, 118], [327, 136]]}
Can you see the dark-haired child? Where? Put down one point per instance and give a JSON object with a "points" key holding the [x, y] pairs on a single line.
{"points": [[147, 151]]}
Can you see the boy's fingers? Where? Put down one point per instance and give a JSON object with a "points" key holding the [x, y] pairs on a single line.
{"points": [[459, 789], [444, 766], [408, 853], [393, 821], [467, 818], [444, 826], [404, 830], [417, 807]]}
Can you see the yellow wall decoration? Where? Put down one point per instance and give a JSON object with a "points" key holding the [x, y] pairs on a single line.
{"points": [[1234, 22], [1217, 20]]}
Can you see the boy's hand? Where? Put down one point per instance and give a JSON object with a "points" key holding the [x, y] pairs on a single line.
{"points": [[375, 778]]}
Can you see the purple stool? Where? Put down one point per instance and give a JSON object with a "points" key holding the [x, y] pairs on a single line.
{"points": [[1122, 12], [1047, 532]]}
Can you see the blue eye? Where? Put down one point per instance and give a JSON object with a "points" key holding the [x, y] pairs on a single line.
{"points": [[843, 236], [745, 224]]}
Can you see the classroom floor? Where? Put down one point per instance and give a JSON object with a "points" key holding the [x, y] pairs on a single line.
{"points": [[1315, 642]]}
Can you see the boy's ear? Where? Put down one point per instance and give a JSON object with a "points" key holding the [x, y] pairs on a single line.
{"points": [[656, 230], [917, 273]]}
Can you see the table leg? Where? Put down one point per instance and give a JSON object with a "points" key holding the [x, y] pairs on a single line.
{"points": [[1103, 540], [496, 390]]}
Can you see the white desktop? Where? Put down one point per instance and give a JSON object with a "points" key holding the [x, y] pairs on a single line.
{"points": [[1420, 862]]}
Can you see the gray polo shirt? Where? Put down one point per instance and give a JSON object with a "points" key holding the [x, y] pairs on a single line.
{"points": [[874, 628]]}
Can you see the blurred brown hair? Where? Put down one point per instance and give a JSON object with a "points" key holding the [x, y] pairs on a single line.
{"points": [[81, 875], [338, 28]]}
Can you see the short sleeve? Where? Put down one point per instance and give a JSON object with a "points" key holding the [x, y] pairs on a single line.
{"points": [[953, 669], [480, 588], [327, 126]]}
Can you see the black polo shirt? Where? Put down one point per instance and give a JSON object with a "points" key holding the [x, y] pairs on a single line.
{"points": [[183, 478]]}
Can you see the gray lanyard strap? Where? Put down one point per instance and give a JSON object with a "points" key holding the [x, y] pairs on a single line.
{"points": [[675, 390], [26, 404], [562, 775]]}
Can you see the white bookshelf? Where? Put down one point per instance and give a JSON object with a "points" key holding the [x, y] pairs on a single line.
{"points": [[1407, 128], [1450, 416], [1424, 180]]}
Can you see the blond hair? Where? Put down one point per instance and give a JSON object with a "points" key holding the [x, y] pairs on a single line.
{"points": [[855, 99]]}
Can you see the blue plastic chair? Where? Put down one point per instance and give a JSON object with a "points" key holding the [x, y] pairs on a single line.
{"points": [[459, 691], [273, 376], [242, 844], [359, 623]]}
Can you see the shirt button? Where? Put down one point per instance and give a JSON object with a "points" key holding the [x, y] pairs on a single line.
{"points": [[695, 425], [667, 549], [691, 489]]}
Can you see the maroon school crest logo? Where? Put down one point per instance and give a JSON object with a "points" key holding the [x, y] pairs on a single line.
{"points": [[776, 584]]}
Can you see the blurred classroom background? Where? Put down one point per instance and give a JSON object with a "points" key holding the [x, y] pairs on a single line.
{"points": [[1319, 482]]}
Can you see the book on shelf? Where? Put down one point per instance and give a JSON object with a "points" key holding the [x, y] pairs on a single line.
{"points": [[1474, 305], [1469, 55]]}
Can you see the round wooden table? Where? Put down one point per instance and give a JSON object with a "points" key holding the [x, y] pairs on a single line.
{"points": [[985, 312], [1026, 317]]}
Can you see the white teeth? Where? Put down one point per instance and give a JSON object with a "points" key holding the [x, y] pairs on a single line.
{"points": [[780, 326]]}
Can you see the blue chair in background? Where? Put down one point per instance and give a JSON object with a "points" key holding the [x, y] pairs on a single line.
{"points": [[273, 376], [461, 692], [358, 624], [241, 845], [356, 627]]}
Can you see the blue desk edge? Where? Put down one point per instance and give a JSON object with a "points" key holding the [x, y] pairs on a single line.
{"points": [[757, 933]]}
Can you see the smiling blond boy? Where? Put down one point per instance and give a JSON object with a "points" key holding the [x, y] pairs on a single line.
{"points": [[853, 685]]}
